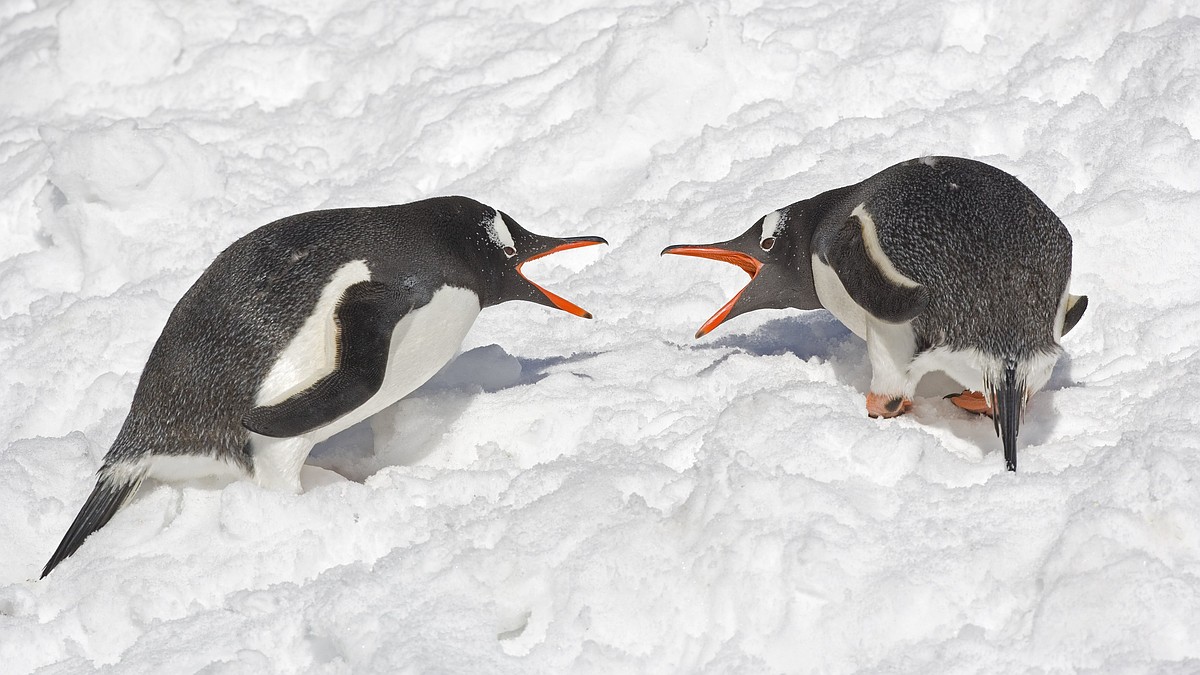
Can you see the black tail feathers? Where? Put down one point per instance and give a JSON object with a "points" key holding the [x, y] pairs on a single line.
{"points": [[107, 497], [1008, 404]]}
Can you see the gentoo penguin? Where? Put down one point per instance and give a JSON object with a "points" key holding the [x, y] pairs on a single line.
{"points": [[939, 263], [305, 327]]}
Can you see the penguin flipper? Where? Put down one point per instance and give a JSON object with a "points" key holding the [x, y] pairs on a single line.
{"points": [[107, 497], [365, 317], [875, 285], [1076, 305]]}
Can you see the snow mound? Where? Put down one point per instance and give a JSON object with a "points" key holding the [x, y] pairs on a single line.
{"points": [[604, 496]]}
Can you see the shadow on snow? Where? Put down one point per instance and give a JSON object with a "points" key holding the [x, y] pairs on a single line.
{"points": [[416, 424]]}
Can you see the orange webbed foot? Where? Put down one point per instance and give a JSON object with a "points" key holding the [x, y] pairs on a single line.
{"points": [[972, 402], [879, 405]]}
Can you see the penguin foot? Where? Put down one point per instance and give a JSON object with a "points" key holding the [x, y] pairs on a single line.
{"points": [[879, 405], [972, 402]]}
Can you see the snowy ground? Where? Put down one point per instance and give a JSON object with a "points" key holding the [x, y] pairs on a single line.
{"points": [[604, 496]]}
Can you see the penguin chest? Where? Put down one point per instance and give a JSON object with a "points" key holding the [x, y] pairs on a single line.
{"points": [[422, 342], [833, 296]]}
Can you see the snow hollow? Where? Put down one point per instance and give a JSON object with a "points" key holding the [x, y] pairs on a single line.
{"points": [[613, 495]]}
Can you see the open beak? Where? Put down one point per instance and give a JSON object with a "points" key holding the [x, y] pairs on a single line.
{"points": [[565, 245], [714, 252]]}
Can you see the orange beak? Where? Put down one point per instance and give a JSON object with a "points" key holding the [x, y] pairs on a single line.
{"points": [[747, 263], [561, 303]]}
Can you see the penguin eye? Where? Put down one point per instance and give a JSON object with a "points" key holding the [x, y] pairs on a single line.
{"points": [[510, 251], [767, 243]]}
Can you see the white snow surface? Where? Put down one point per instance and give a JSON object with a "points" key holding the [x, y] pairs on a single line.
{"points": [[609, 495]]}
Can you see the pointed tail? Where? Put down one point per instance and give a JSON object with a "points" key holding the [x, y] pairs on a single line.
{"points": [[1008, 404], [107, 497]]}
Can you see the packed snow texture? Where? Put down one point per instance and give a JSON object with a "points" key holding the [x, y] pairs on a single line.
{"points": [[607, 495]]}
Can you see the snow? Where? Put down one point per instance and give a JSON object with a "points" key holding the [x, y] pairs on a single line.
{"points": [[606, 495]]}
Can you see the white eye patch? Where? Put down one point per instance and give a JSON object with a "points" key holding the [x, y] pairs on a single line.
{"points": [[771, 225], [500, 236]]}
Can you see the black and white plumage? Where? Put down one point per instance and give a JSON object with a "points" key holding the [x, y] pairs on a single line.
{"points": [[305, 327], [939, 263]]}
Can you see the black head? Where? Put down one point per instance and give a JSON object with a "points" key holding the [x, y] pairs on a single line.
{"points": [[506, 247], [775, 253]]}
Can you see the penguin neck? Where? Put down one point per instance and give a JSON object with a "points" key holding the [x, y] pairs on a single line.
{"points": [[471, 267], [804, 220], [809, 221], [490, 278]]}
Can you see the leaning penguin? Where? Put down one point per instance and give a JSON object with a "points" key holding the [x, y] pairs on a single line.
{"points": [[305, 327], [939, 263]]}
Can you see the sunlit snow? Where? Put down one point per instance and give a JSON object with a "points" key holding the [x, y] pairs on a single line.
{"points": [[607, 496]]}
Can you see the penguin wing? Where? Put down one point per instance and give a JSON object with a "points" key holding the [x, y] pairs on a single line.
{"points": [[869, 277], [1076, 305], [365, 317]]}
